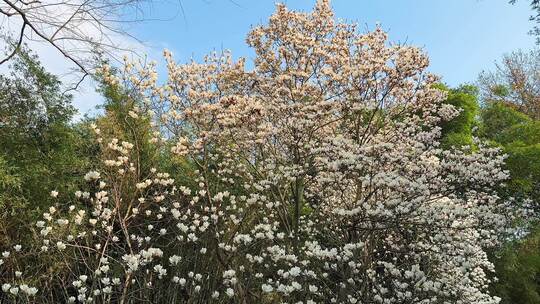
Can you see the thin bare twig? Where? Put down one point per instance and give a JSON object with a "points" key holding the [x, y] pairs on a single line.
{"points": [[17, 46]]}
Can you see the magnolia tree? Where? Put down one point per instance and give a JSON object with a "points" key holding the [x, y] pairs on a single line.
{"points": [[319, 180]]}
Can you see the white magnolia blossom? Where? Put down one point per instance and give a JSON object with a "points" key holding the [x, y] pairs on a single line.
{"points": [[92, 175]]}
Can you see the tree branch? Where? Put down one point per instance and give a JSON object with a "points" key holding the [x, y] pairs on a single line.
{"points": [[17, 46]]}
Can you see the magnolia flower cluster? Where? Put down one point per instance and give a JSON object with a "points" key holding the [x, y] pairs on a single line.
{"points": [[319, 179]]}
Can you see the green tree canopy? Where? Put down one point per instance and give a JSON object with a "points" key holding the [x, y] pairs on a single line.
{"points": [[459, 131], [37, 138], [519, 136], [518, 264]]}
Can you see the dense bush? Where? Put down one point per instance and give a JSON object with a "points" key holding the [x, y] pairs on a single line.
{"points": [[458, 132], [517, 263], [40, 148], [519, 136]]}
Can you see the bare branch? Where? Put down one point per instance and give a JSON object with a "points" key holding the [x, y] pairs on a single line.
{"points": [[76, 86], [77, 29], [17, 46], [44, 37]]}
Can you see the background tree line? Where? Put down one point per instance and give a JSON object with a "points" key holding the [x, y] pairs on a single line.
{"points": [[42, 148]]}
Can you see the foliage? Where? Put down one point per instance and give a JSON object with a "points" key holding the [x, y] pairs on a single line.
{"points": [[39, 150], [458, 132], [519, 135], [525, 168], [36, 138], [518, 263], [11, 202], [518, 270], [497, 120]]}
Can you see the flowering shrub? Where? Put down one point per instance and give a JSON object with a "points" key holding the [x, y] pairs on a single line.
{"points": [[319, 180]]}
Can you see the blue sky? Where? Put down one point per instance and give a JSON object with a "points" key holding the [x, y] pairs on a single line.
{"points": [[462, 37]]}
